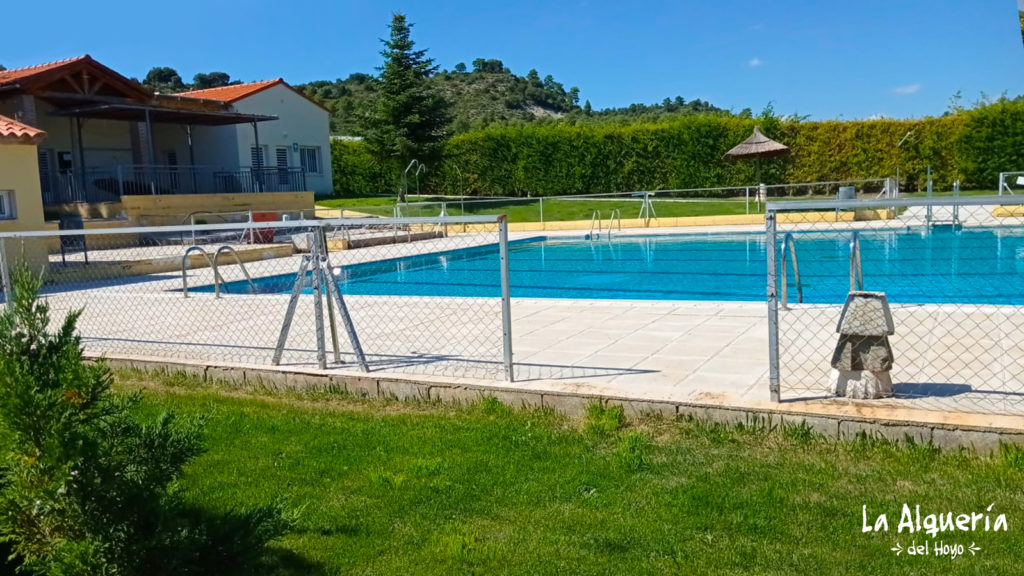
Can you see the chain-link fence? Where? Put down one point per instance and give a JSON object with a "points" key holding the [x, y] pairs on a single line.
{"points": [[355, 294], [917, 302]]}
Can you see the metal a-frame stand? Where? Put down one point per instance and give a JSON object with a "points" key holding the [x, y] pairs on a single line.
{"points": [[323, 280], [647, 210]]}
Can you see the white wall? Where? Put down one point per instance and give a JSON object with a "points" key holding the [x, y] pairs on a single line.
{"points": [[300, 122]]}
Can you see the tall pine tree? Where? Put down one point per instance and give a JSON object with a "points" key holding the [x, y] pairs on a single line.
{"points": [[410, 119]]}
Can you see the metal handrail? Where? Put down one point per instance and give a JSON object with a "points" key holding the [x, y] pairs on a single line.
{"points": [[595, 218], [216, 274], [184, 264], [789, 247], [616, 216], [856, 272]]}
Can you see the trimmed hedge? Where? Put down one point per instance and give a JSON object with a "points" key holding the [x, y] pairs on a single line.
{"points": [[355, 172], [555, 159]]}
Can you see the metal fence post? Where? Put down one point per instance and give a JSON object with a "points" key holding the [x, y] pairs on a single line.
{"points": [[773, 307], [506, 299], [5, 270], [541, 209], [318, 310]]}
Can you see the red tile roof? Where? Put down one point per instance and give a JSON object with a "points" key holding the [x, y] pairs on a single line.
{"points": [[8, 76], [14, 132], [234, 92]]}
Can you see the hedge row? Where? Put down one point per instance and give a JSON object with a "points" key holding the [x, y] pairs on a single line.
{"points": [[554, 159]]}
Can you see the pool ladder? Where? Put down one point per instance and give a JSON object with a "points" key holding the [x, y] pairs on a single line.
{"points": [[789, 249], [615, 218], [217, 278]]}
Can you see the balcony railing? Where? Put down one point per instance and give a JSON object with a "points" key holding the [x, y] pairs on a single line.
{"points": [[109, 183]]}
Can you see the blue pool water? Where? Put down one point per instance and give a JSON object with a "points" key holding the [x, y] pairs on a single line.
{"points": [[984, 266]]}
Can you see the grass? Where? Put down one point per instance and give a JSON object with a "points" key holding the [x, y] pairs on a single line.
{"points": [[555, 209], [561, 209], [387, 487]]}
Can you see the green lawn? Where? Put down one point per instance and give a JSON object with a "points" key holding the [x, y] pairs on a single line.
{"points": [[555, 209], [404, 488], [562, 209]]}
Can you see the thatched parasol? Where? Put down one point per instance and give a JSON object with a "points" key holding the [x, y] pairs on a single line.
{"points": [[757, 146]]}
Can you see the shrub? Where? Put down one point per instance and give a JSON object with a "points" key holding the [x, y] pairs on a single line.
{"points": [[87, 488]]}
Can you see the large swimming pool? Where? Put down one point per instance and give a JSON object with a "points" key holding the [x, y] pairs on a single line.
{"points": [[984, 266]]}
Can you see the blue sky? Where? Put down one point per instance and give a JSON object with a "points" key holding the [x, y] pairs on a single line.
{"points": [[826, 59]]}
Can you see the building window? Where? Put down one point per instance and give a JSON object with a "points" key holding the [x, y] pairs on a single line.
{"points": [[7, 205], [258, 156], [282, 166], [310, 158]]}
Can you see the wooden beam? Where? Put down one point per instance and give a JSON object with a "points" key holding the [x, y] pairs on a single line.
{"points": [[83, 97], [71, 80], [96, 87]]}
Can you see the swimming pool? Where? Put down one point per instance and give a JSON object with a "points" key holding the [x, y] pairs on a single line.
{"points": [[982, 266]]}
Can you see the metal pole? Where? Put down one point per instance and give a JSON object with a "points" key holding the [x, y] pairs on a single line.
{"points": [[506, 298], [748, 199], [81, 160], [151, 151], [773, 308], [346, 320], [318, 305], [289, 313], [5, 270], [1002, 181], [541, 209], [326, 264], [929, 209], [259, 157], [192, 160]]}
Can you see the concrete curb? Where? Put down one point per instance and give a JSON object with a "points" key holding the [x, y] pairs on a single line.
{"points": [[983, 440]]}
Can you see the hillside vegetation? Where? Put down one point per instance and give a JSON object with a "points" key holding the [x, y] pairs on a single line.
{"points": [[489, 94]]}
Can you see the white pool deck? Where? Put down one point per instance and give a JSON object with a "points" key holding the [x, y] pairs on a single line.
{"points": [[711, 354]]}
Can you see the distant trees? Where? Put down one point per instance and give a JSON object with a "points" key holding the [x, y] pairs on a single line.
{"points": [[203, 81], [489, 66], [410, 117], [166, 80]]}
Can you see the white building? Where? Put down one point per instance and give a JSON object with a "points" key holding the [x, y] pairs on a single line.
{"points": [[109, 136], [300, 137]]}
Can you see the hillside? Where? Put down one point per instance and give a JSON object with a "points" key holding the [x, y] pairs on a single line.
{"points": [[490, 93]]}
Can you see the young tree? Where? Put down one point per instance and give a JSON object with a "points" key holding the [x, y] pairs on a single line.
{"points": [[410, 119], [85, 487]]}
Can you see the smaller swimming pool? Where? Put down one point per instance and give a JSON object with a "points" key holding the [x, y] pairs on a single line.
{"points": [[981, 265]]}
